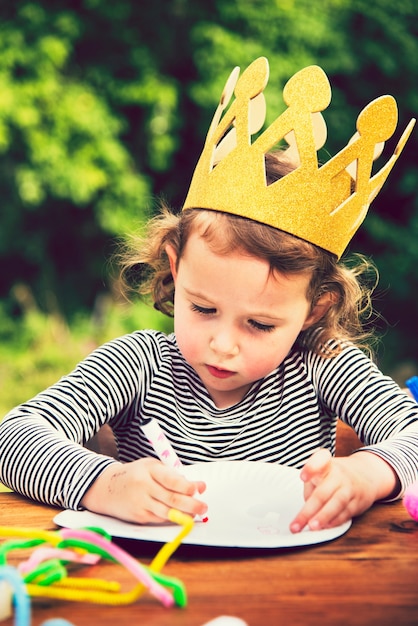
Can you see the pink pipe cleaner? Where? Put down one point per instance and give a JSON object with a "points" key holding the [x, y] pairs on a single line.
{"points": [[410, 500], [125, 559], [44, 554]]}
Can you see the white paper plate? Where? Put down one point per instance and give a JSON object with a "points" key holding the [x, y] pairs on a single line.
{"points": [[250, 504]]}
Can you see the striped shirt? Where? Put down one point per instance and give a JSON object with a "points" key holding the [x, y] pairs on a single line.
{"points": [[283, 418]]}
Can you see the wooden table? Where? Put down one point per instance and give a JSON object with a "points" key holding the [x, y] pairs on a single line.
{"points": [[368, 576]]}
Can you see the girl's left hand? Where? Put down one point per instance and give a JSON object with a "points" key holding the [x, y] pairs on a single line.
{"points": [[337, 489]]}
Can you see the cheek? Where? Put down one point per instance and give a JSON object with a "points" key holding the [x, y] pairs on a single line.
{"points": [[268, 355], [260, 362], [186, 335], [189, 349]]}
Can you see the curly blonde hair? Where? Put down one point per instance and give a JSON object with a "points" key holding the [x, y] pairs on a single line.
{"points": [[145, 267]]}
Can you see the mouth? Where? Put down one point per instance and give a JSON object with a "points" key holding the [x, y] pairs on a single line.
{"points": [[218, 372]]}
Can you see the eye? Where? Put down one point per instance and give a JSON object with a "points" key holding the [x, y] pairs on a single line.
{"points": [[265, 328], [202, 310]]}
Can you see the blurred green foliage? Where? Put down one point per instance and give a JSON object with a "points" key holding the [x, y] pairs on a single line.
{"points": [[40, 347], [104, 108]]}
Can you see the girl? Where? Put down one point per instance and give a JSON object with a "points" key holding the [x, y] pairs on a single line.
{"points": [[262, 363], [265, 358]]}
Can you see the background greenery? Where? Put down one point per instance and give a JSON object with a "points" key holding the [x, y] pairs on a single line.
{"points": [[104, 107]]}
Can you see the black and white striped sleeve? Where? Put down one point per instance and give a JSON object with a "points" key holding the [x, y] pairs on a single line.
{"points": [[41, 442]]}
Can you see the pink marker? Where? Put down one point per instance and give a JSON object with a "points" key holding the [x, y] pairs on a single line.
{"points": [[163, 448], [158, 440]]}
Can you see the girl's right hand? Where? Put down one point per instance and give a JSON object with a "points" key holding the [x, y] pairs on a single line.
{"points": [[143, 492]]}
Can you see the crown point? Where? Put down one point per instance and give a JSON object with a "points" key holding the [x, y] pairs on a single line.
{"points": [[253, 80], [378, 119], [229, 87], [310, 88], [404, 138]]}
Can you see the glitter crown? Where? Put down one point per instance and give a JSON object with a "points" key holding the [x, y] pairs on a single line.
{"points": [[323, 204]]}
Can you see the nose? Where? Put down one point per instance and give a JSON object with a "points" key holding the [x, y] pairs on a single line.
{"points": [[224, 342]]}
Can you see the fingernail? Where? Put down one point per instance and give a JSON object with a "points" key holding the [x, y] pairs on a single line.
{"points": [[314, 524], [295, 527]]}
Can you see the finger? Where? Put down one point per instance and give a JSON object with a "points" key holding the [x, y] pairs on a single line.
{"points": [[330, 505], [342, 518], [171, 477], [174, 481], [200, 486], [338, 510], [317, 466], [175, 492], [314, 504], [154, 507]]}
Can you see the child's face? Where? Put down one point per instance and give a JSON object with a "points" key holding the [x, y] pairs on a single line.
{"points": [[234, 320]]}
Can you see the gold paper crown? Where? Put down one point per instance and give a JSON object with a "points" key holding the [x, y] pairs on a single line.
{"points": [[321, 204]]}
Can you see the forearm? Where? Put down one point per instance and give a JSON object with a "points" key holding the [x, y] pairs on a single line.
{"points": [[103, 492], [399, 452], [381, 479], [40, 463]]}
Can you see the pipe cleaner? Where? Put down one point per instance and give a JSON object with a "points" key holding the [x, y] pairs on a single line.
{"points": [[44, 573]]}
